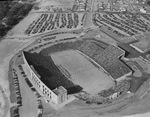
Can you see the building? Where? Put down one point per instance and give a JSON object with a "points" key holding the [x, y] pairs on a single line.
{"points": [[56, 96], [61, 93], [81, 5]]}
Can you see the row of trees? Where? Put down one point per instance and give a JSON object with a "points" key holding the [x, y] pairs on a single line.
{"points": [[12, 12]]}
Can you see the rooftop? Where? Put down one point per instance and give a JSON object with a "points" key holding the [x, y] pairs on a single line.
{"points": [[60, 90]]}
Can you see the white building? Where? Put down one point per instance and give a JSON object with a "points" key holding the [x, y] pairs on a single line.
{"points": [[56, 96]]}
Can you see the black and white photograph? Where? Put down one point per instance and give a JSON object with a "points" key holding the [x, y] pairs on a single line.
{"points": [[75, 58]]}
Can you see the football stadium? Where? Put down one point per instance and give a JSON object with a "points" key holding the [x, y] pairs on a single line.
{"points": [[65, 69]]}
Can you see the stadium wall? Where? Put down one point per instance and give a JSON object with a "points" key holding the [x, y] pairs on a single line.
{"points": [[123, 77], [44, 91]]}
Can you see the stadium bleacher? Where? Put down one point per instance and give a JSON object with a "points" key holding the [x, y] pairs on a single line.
{"points": [[108, 58], [50, 74]]}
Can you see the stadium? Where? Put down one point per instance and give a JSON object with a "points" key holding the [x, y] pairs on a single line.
{"points": [[69, 68]]}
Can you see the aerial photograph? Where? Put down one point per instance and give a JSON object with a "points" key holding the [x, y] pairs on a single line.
{"points": [[75, 58]]}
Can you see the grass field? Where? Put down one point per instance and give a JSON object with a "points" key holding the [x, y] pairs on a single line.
{"points": [[82, 72]]}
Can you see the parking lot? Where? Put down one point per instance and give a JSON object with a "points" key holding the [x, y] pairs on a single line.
{"points": [[29, 105], [52, 21]]}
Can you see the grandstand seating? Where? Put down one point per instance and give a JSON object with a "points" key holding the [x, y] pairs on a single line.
{"points": [[108, 58], [50, 74], [105, 55], [60, 47], [88, 48]]}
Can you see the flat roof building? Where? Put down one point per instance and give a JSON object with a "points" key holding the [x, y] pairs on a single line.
{"points": [[61, 93]]}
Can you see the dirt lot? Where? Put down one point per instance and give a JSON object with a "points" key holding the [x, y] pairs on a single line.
{"points": [[82, 71], [18, 31], [57, 3]]}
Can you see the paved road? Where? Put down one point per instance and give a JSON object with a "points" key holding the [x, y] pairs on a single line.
{"points": [[29, 108], [6, 108]]}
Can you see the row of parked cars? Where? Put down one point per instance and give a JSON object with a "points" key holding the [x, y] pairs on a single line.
{"points": [[53, 21], [14, 112], [40, 108], [123, 24], [17, 88], [39, 102]]}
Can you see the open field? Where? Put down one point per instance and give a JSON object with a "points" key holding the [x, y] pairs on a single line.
{"points": [[22, 26], [6, 47], [57, 3], [83, 72]]}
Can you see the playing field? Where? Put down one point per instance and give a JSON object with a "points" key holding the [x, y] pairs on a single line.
{"points": [[82, 71]]}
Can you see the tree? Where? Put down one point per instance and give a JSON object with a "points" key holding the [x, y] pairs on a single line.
{"points": [[4, 8], [2, 30], [13, 12], [148, 3]]}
